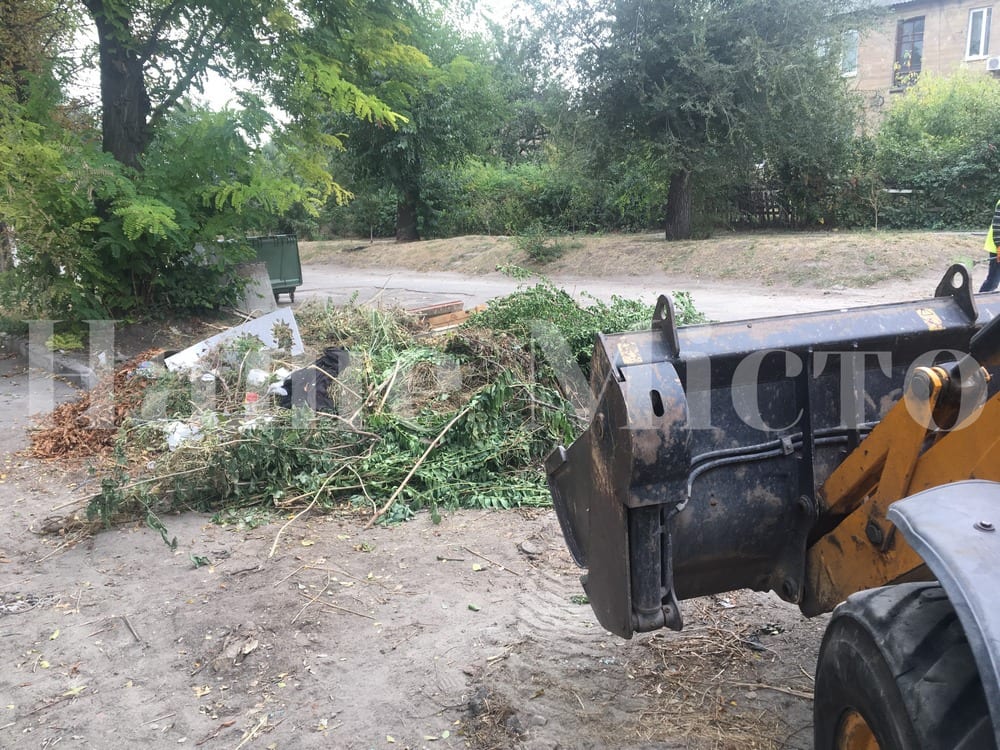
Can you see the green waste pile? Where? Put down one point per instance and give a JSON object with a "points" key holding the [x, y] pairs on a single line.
{"points": [[421, 420]]}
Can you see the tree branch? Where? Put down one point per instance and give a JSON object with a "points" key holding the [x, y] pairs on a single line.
{"points": [[196, 64], [154, 33]]}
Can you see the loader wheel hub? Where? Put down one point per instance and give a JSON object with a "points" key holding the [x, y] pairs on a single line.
{"points": [[855, 734]]}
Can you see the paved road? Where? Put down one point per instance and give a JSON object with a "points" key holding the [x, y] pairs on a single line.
{"points": [[25, 392], [719, 301]]}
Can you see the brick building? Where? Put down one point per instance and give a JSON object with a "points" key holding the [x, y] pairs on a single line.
{"points": [[921, 35]]}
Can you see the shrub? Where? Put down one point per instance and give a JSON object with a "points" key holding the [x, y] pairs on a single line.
{"points": [[940, 140], [501, 199], [538, 245]]}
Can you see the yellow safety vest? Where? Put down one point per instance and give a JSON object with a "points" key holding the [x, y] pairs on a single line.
{"points": [[990, 246]]}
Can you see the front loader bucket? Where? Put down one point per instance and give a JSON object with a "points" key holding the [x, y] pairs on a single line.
{"points": [[611, 485], [698, 473]]}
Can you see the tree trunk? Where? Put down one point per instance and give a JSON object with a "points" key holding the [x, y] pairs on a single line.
{"points": [[406, 216], [125, 105], [6, 246], [24, 52], [679, 206]]}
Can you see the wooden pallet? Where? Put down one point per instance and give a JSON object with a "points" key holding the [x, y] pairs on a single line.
{"points": [[445, 314]]}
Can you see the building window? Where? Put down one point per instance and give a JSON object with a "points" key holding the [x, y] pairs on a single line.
{"points": [[909, 52], [978, 44], [849, 55]]}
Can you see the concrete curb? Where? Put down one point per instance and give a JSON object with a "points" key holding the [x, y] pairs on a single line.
{"points": [[67, 368]]}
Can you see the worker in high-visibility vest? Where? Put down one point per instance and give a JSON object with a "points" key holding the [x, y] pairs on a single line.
{"points": [[993, 274]]}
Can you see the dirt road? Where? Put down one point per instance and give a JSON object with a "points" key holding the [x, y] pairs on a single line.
{"points": [[310, 632]]}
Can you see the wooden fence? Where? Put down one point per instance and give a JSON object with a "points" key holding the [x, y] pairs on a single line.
{"points": [[762, 206]]}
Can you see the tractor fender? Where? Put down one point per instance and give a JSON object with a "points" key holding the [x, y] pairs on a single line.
{"points": [[955, 528]]}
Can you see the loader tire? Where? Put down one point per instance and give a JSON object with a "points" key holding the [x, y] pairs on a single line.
{"points": [[895, 672]]}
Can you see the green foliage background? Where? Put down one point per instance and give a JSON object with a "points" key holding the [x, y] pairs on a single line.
{"points": [[395, 111], [939, 141]]}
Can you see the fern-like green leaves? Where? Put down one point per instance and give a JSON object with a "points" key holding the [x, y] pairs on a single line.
{"points": [[147, 216]]}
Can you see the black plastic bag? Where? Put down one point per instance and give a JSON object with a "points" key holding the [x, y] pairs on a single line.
{"points": [[310, 386]]}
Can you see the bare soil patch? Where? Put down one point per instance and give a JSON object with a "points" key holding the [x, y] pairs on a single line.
{"points": [[470, 633]]}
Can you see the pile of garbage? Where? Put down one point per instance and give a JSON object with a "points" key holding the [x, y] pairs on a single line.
{"points": [[365, 409], [345, 407]]}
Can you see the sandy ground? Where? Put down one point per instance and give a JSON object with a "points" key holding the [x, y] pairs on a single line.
{"points": [[470, 633], [417, 636], [467, 634]]}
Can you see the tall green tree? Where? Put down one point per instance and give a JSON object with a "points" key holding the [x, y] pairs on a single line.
{"points": [[95, 238], [154, 53], [705, 85], [536, 103], [449, 104], [33, 36], [112, 232]]}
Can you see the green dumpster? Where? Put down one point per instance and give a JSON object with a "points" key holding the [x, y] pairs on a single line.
{"points": [[280, 253]]}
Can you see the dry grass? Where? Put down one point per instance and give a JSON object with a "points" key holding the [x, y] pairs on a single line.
{"points": [[472, 253], [784, 259], [492, 723], [700, 688]]}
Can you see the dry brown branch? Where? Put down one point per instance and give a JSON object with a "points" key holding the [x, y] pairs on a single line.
{"points": [[131, 629], [224, 725], [491, 562], [311, 601], [159, 718], [288, 523], [297, 570], [56, 702], [787, 691], [302, 512], [387, 386], [337, 607], [253, 733]]}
